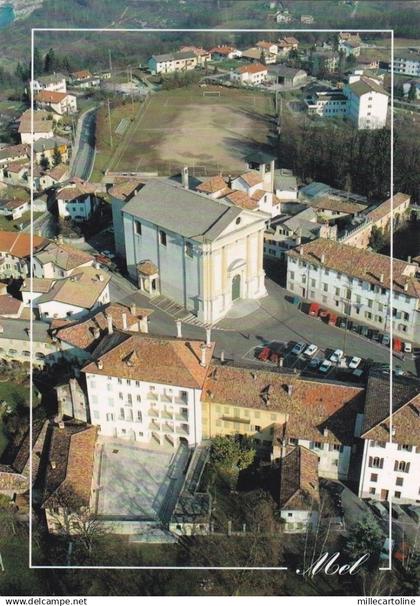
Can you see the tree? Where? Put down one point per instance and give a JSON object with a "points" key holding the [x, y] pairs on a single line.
{"points": [[57, 158], [364, 537], [376, 239], [38, 63], [412, 96], [229, 453], [45, 163], [50, 62]]}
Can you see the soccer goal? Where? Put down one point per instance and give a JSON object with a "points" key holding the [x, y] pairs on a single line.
{"points": [[211, 93]]}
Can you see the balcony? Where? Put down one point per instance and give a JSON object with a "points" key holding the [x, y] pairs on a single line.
{"points": [[165, 414], [182, 401], [168, 427], [166, 398], [154, 426], [181, 417], [181, 431], [153, 412], [152, 396]]}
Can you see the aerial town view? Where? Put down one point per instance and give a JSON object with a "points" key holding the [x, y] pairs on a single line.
{"points": [[209, 298]]}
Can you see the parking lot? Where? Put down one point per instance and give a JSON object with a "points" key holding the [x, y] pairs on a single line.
{"points": [[284, 354]]}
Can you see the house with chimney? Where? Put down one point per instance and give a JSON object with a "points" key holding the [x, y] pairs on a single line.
{"points": [[148, 389], [391, 448], [60, 103], [77, 201], [72, 297], [15, 252], [357, 283], [59, 260], [280, 411]]}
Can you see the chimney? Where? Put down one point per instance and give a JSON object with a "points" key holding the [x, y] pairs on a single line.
{"points": [[53, 464], [283, 449], [97, 265], [61, 424], [100, 278], [133, 309], [208, 337], [262, 169], [281, 361], [110, 329], [301, 251], [185, 179], [124, 321], [289, 389], [60, 239], [325, 432], [179, 329], [322, 258], [381, 278], [229, 181], [100, 364], [409, 259], [222, 357], [145, 327], [203, 354], [96, 333], [406, 287]]}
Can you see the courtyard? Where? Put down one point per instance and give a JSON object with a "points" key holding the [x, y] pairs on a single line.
{"points": [[137, 482], [211, 129]]}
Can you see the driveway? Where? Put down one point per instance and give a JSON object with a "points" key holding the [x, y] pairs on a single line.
{"points": [[84, 147]]}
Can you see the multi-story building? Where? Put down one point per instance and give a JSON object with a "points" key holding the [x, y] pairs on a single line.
{"points": [[58, 260], [391, 450], [279, 409], [147, 388], [77, 201], [75, 296], [15, 342], [252, 74], [60, 103], [331, 103], [407, 63], [172, 62], [43, 127], [120, 194], [367, 103], [203, 253], [357, 282], [54, 83], [15, 251]]}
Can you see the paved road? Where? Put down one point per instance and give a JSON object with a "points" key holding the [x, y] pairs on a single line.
{"points": [[84, 147]]}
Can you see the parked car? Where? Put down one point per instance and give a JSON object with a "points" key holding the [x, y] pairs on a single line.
{"points": [[310, 350], [408, 347], [264, 354], [313, 309], [314, 363], [325, 366], [341, 322], [298, 349], [379, 509], [295, 300], [386, 340], [354, 362], [414, 512], [336, 356], [397, 511], [332, 319]]}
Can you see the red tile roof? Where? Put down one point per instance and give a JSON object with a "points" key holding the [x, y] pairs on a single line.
{"points": [[299, 482], [212, 185], [361, 264], [19, 244], [155, 359], [241, 199], [49, 96], [253, 68], [385, 208]]}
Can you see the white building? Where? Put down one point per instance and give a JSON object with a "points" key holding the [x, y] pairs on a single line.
{"points": [[173, 62], [391, 458], [356, 282], [299, 489], [367, 103], [407, 63], [74, 297], [331, 103], [77, 201], [251, 75], [225, 52], [204, 254], [43, 127], [54, 83], [15, 251], [148, 389], [60, 103], [58, 260]]}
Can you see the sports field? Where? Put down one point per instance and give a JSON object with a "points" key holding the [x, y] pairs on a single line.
{"points": [[190, 127]]}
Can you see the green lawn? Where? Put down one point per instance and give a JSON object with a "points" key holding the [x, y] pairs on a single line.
{"points": [[9, 225]]}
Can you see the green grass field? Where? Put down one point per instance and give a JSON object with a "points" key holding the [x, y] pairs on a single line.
{"points": [[186, 126]]}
